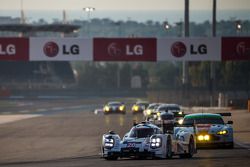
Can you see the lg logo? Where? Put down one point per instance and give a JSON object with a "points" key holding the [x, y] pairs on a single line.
{"points": [[51, 49], [134, 50], [114, 50], [129, 50], [9, 49], [179, 49], [242, 49]]}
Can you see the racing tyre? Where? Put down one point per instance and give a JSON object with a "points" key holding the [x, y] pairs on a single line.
{"points": [[169, 148], [191, 149], [230, 146]]}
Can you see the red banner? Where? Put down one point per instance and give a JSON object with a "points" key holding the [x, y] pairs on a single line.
{"points": [[235, 48], [14, 49], [125, 49]]}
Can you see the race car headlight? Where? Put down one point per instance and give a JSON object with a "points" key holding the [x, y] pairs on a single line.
{"points": [[222, 132], [180, 121], [106, 108], [180, 113], [135, 108], [148, 112], [158, 114], [109, 142], [155, 142], [121, 108], [203, 137]]}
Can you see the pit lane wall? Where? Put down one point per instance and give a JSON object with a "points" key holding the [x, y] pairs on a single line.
{"points": [[125, 49]]}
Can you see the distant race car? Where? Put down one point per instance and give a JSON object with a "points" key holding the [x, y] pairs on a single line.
{"points": [[170, 108], [150, 112], [148, 140], [114, 107], [139, 107], [211, 129]]}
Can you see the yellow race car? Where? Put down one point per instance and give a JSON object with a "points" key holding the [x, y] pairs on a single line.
{"points": [[114, 107], [139, 107]]}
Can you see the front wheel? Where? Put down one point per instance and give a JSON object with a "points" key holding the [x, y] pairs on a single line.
{"points": [[191, 149], [169, 149], [230, 145]]}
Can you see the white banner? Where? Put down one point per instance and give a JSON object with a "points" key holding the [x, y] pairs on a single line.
{"points": [[189, 49], [61, 49]]}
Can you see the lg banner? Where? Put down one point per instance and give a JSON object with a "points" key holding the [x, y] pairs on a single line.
{"points": [[235, 48], [61, 49], [125, 49], [14, 49], [189, 49]]}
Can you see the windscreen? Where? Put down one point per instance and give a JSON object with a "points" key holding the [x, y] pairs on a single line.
{"points": [[141, 132], [153, 106], [114, 104], [203, 120]]}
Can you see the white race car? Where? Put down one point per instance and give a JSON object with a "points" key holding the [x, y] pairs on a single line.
{"points": [[148, 140]]}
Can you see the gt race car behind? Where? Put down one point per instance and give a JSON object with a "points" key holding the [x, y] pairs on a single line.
{"points": [[211, 129]]}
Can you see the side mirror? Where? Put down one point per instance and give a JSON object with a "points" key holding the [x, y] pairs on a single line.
{"points": [[111, 132], [170, 132], [230, 122], [126, 135]]}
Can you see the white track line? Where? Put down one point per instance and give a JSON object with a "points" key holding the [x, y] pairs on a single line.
{"points": [[41, 110], [243, 145], [57, 108], [13, 118], [24, 111]]}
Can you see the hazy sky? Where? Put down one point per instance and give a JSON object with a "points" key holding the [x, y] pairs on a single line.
{"points": [[122, 4]]}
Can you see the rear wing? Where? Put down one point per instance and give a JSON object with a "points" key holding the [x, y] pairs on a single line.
{"points": [[179, 116], [226, 114]]}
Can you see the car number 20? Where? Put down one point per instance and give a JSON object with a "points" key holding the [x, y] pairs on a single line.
{"points": [[131, 145]]}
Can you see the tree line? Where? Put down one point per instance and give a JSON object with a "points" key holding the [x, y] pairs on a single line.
{"points": [[229, 75]]}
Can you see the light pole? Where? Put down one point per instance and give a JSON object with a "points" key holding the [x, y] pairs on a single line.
{"points": [[238, 27], [88, 10], [166, 25], [212, 64], [23, 21], [185, 63]]}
